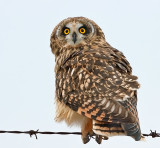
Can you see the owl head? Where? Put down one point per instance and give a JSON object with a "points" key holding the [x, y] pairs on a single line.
{"points": [[75, 32]]}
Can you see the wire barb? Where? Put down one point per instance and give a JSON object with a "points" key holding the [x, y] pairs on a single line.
{"points": [[152, 134], [32, 132]]}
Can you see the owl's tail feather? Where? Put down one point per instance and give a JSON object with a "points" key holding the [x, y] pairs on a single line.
{"points": [[107, 128], [133, 130], [115, 129]]}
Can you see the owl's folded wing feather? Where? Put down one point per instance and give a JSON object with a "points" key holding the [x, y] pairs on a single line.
{"points": [[99, 85]]}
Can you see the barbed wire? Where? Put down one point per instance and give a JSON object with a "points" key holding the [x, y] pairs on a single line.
{"points": [[35, 132], [152, 134]]}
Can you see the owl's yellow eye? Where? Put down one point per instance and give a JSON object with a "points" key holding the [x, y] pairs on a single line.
{"points": [[82, 30], [66, 31]]}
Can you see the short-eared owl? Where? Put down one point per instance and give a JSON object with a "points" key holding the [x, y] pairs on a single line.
{"points": [[94, 83]]}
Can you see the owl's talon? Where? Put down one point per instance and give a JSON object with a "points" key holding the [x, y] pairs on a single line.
{"points": [[98, 139], [105, 138], [86, 139]]}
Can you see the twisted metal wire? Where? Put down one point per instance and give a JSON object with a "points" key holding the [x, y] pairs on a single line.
{"points": [[36, 132]]}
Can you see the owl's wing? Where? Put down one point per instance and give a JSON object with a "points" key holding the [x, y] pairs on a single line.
{"points": [[98, 85]]}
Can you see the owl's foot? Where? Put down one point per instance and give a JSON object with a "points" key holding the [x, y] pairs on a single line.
{"points": [[87, 136], [87, 131], [85, 139], [98, 139], [105, 138]]}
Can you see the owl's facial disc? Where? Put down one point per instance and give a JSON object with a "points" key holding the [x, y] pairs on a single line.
{"points": [[75, 33]]}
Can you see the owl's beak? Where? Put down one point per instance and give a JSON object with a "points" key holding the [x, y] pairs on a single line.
{"points": [[74, 37]]}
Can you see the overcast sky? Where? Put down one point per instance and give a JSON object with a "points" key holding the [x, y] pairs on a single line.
{"points": [[27, 79]]}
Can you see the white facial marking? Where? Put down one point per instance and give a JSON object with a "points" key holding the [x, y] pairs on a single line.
{"points": [[57, 32], [91, 27]]}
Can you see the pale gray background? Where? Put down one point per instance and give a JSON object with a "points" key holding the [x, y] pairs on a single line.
{"points": [[27, 80]]}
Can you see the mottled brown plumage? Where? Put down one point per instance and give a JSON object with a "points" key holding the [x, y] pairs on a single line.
{"points": [[94, 82]]}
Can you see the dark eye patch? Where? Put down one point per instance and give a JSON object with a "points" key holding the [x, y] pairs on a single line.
{"points": [[62, 32], [86, 29]]}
